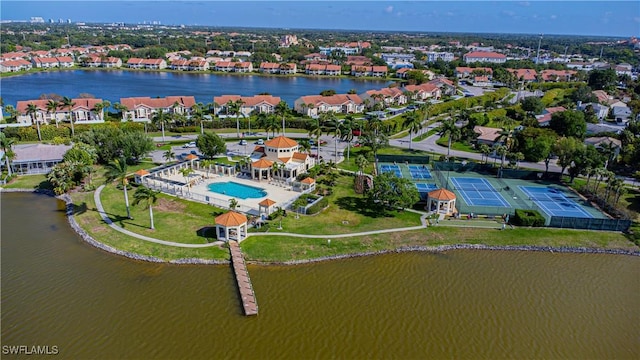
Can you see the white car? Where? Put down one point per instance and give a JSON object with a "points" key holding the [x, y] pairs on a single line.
{"points": [[189, 145]]}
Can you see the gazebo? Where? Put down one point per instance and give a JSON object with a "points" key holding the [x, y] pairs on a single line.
{"points": [[139, 175], [266, 206], [308, 183], [231, 226], [258, 168], [441, 201]]}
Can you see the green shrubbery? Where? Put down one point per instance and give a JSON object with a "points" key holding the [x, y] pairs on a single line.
{"points": [[317, 207], [528, 218]]}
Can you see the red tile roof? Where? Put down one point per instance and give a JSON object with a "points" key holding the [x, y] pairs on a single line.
{"points": [[248, 100], [442, 194], [158, 103], [484, 54], [281, 142], [338, 99], [262, 164], [87, 104], [267, 202], [231, 218]]}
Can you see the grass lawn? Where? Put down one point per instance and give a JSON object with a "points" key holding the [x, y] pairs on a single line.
{"points": [[444, 141], [283, 248], [29, 182], [90, 220], [347, 213]]}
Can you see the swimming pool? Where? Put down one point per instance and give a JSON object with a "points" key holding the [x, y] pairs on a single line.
{"points": [[234, 189]]}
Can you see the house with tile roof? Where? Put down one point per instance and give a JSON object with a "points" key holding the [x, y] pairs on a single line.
{"points": [[313, 105], [323, 69], [285, 153], [463, 72], [142, 109], [423, 92], [526, 75], [558, 75], [15, 65], [446, 86], [374, 71], [150, 64], [250, 104], [82, 112], [545, 117], [389, 96], [484, 56]]}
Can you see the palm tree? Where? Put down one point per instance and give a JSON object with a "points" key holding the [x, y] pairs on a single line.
{"points": [[233, 107], [68, 103], [32, 110], [502, 151], [485, 150], [147, 197], [52, 108], [282, 109], [346, 128], [97, 108], [362, 163], [233, 204], [414, 124], [185, 172], [316, 130], [117, 171], [169, 155], [6, 143], [448, 128], [160, 117], [197, 116]]}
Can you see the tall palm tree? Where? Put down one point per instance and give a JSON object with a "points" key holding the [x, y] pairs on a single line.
{"points": [[147, 197], [346, 129], [6, 143], [68, 103], [169, 155], [362, 163], [32, 110], [52, 108], [233, 108], [448, 128], [316, 130], [97, 109], [485, 150], [413, 122], [333, 128], [197, 116], [117, 171], [281, 109], [160, 117]]}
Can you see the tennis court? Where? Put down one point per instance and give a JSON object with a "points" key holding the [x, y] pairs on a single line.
{"points": [[478, 192], [391, 168], [554, 202], [419, 172]]}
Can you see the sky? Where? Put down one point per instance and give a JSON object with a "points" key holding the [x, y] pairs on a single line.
{"points": [[601, 18]]}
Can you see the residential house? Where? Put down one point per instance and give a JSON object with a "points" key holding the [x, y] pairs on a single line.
{"points": [[37, 158], [288, 68], [525, 75], [15, 55], [313, 105], [250, 104], [358, 60], [283, 151], [269, 68], [558, 75], [15, 65], [315, 57], [45, 62], [142, 109], [180, 64], [226, 66], [484, 56], [487, 135], [402, 73], [621, 113], [198, 65], [323, 69], [463, 72], [447, 86], [481, 81], [600, 111], [603, 142], [545, 117], [433, 56], [387, 96], [423, 92], [375, 71], [243, 67], [151, 64], [82, 112]]}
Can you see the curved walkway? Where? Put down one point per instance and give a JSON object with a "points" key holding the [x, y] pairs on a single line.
{"points": [[105, 218]]}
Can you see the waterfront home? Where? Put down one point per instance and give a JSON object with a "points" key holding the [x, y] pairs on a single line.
{"points": [[284, 152], [82, 112], [313, 105], [15, 65], [94, 61], [323, 69], [276, 68], [16, 55], [243, 67], [36, 158], [250, 104], [198, 65], [179, 64], [143, 108], [484, 56], [152, 64], [51, 62], [387, 96], [375, 71], [423, 91]]}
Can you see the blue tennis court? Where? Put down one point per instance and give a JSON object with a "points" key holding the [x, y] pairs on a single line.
{"points": [[419, 172], [478, 192], [425, 189], [391, 168], [554, 202]]}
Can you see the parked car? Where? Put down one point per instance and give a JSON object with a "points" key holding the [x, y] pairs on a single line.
{"points": [[189, 145], [260, 142], [243, 142]]}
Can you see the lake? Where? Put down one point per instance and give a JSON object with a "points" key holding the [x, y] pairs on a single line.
{"points": [[116, 84], [59, 291]]}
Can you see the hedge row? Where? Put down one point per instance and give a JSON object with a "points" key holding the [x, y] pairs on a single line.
{"points": [[317, 207], [528, 218], [51, 132]]}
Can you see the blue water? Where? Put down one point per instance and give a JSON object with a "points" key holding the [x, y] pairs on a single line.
{"points": [[237, 190], [113, 85]]}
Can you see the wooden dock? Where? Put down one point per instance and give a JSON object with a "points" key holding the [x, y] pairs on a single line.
{"points": [[247, 294]]}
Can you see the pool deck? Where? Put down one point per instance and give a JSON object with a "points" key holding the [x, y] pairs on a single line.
{"points": [[278, 193]]}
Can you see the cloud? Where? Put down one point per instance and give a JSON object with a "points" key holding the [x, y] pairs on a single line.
{"points": [[388, 9], [553, 17]]}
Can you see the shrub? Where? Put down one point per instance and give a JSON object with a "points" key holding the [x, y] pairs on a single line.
{"points": [[317, 207], [528, 218]]}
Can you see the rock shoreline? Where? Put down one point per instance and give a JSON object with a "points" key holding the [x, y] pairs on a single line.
{"points": [[434, 249]]}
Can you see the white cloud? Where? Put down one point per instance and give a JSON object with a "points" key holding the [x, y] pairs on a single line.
{"points": [[388, 9]]}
